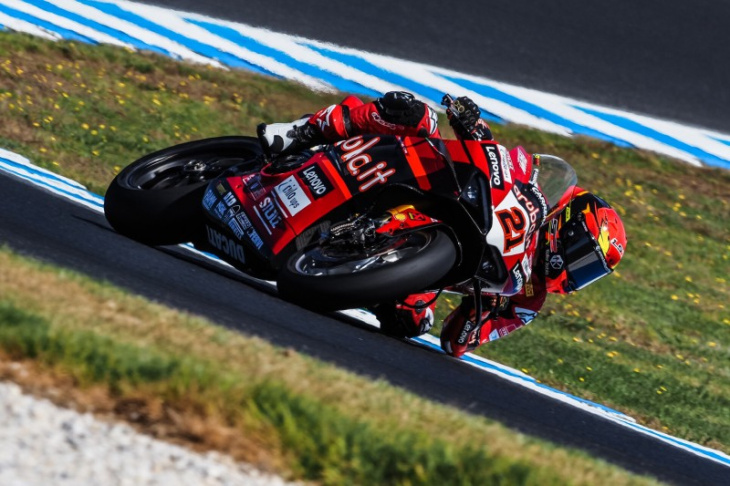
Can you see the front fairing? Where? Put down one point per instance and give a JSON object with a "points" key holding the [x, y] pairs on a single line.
{"points": [[505, 206], [510, 195]]}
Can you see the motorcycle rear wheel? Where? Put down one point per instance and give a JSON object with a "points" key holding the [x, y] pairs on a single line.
{"points": [[157, 200], [320, 279]]}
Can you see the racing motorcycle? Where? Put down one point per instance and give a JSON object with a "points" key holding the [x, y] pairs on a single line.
{"points": [[366, 220]]}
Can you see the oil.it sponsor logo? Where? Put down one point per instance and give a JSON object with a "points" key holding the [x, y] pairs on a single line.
{"points": [[360, 164], [507, 166]]}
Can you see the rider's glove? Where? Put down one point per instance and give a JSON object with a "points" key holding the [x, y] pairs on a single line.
{"points": [[464, 118], [408, 318]]}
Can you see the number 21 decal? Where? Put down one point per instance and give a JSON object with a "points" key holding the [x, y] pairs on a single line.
{"points": [[513, 225]]}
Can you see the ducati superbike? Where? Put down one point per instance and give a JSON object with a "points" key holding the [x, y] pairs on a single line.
{"points": [[366, 220]]}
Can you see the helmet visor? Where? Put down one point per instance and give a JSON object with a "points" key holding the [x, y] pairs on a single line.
{"points": [[585, 261]]}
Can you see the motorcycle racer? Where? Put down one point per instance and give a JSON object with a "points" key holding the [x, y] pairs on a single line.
{"points": [[395, 113], [581, 240]]}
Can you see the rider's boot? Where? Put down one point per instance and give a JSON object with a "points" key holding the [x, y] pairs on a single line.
{"points": [[329, 124], [288, 138]]}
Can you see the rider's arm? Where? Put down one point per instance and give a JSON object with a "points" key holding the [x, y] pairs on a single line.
{"points": [[395, 113]]}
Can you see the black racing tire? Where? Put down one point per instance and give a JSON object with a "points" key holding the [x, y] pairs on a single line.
{"points": [[419, 270], [157, 200]]}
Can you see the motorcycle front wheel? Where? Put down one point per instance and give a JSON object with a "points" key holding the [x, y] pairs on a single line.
{"points": [[326, 279]]}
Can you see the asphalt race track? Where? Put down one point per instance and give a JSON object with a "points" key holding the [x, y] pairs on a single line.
{"points": [[38, 224], [664, 58]]}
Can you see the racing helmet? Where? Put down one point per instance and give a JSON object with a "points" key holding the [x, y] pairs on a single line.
{"points": [[585, 240]]}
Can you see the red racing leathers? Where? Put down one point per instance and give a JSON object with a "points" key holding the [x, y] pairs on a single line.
{"points": [[352, 117], [398, 113]]}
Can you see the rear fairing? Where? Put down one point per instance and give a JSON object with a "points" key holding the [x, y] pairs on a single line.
{"points": [[268, 214]]}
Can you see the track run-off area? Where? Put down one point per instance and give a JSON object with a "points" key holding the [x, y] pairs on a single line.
{"points": [[327, 67]]}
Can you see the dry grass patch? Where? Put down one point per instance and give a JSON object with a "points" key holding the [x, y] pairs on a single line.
{"points": [[148, 413], [89, 111]]}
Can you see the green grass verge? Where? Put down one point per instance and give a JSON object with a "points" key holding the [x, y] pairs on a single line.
{"points": [[328, 444], [652, 340], [322, 424]]}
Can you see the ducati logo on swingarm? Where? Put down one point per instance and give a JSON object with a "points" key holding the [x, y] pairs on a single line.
{"points": [[225, 244]]}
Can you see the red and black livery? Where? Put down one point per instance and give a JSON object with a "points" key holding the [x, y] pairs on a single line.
{"points": [[478, 191]]}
